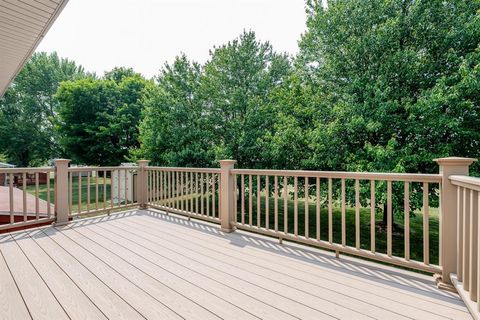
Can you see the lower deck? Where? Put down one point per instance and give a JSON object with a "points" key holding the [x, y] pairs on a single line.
{"points": [[150, 265]]}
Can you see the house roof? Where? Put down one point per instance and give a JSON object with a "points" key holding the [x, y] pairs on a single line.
{"points": [[6, 165], [23, 24]]}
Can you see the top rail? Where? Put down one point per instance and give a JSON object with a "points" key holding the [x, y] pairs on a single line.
{"points": [[471, 183], [27, 170], [199, 170], [412, 177], [85, 169]]}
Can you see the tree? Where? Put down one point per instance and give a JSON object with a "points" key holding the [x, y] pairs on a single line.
{"points": [[29, 107], [235, 87], [98, 118], [380, 67], [174, 131]]}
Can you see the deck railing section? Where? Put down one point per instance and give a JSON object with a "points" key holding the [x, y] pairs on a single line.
{"points": [[467, 277], [28, 196], [300, 206], [189, 191], [92, 190]]}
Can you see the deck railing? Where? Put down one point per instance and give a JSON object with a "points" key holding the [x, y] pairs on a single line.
{"points": [[265, 202], [100, 189], [188, 191], [21, 207], [332, 210], [467, 277]]}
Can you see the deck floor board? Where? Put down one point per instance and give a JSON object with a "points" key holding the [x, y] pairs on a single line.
{"points": [[149, 265]]}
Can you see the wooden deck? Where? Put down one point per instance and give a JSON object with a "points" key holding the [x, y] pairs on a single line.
{"points": [[147, 265]]}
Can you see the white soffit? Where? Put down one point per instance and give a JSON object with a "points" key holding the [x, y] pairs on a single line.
{"points": [[23, 24]]}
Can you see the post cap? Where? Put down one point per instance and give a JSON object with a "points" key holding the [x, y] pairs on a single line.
{"points": [[143, 163], [61, 161], [455, 161], [227, 162]]}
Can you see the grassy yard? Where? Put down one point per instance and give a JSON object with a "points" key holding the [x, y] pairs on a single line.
{"points": [[84, 188]]}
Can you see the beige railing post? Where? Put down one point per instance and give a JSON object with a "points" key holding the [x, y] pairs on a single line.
{"points": [[227, 196], [448, 215], [61, 190], [142, 187]]}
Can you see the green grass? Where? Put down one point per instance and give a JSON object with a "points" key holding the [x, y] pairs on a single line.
{"points": [[84, 187]]}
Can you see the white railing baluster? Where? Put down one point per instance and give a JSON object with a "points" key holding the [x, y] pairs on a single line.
{"points": [[465, 239], [306, 208], [37, 205], [372, 216], [344, 205], [259, 213], [79, 191], [330, 211], [10, 194], [88, 191], [406, 213], [275, 205], [250, 201], [196, 192], [426, 225], [460, 207], [213, 196], [24, 195], [318, 208], [295, 206], [473, 267], [202, 195], [104, 189], [242, 192], [357, 214], [267, 209], [49, 209], [389, 218], [96, 190], [285, 204]]}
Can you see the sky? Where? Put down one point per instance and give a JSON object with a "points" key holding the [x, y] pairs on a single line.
{"points": [[144, 34]]}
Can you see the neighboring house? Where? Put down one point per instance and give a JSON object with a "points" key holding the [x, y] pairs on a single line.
{"points": [[4, 177], [18, 177]]}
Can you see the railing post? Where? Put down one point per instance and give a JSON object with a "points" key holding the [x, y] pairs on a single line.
{"points": [[61, 190], [227, 196], [448, 216], [142, 187]]}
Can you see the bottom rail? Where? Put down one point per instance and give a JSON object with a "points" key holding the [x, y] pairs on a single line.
{"points": [[344, 249]]}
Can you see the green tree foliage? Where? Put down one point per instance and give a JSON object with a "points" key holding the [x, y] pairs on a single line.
{"points": [[98, 118], [374, 61], [391, 78], [174, 130], [29, 107], [235, 88]]}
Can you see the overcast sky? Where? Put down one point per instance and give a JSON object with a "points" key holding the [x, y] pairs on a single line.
{"points": [[143, 34]]}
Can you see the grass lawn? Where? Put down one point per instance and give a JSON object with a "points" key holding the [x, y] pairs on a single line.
{"points": [[43, 192]]}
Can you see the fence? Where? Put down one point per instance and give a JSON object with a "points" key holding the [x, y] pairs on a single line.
{"points": [[338, 211]]}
